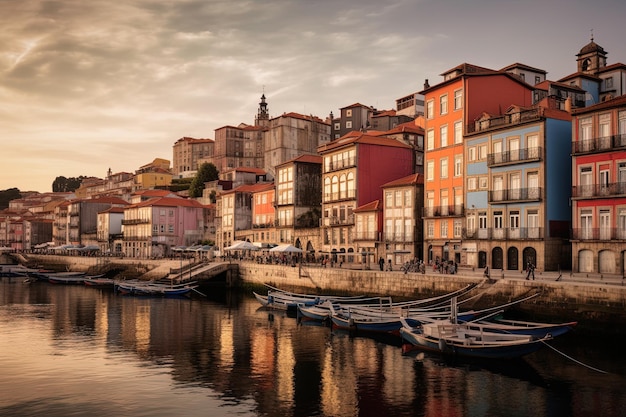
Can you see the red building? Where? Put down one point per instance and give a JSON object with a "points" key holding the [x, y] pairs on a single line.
{"points": [[599, 187]]}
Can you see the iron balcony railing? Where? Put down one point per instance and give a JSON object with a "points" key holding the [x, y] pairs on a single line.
{"points": [[601, 144], [340, 164], [518, 233], [599, 190], [346, 195], [135, 221], [599, 233], [515, 156], [444, 211], [516, 194], [371, 235], [338, 221]]}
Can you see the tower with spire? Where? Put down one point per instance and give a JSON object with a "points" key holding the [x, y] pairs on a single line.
{"points": [[263, 116], [592, 58]]}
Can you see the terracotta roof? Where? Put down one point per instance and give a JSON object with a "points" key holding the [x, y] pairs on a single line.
{"points": [[355, 105], [524, 66], [169, 202], [106, 200], [251, 188], [404, 181], [385, 113], [545, 85], [304, 158], [258, 171], [615, 102], [409, 127], [302, 117], [360, 138], [371, 206], [152, 193]]}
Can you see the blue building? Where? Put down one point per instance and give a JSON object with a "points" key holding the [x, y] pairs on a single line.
{"points": [[517, 189]]}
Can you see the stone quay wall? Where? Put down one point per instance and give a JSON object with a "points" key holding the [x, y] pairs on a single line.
{"points": [[596, 304]]}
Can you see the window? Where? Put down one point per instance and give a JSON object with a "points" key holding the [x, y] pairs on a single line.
{"points": [[458, 132], [608, 83], [458, 225], [482, 182], [444, 168], [605, 224], [430, 140], [430, 228], [398, 198], [471, 184], [482, 220], [408, 198], [537, 79], [482, 152], [621, 223], [337, 126], [458, 99], [497, 220], [586, 224], [514, 219], [443, 104], [443, 135], [621, 125], [430, 109], [444, 229], [430, 170], [458, 165], [388, 199], [349, 113], [471, 224], [605, 125], [471, 154], [349, 124]]}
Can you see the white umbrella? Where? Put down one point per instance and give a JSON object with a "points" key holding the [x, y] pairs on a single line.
{"points": [[286, 248], [242, 245]]}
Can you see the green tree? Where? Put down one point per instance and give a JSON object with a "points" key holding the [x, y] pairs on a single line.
{"points": [[8, 195], [62, 184], [206, 172]]}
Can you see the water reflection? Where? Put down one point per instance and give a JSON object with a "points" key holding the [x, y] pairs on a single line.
{"points": [[74, 350]]}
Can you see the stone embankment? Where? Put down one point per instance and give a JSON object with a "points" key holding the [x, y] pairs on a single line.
{"points": [[595, 301]]}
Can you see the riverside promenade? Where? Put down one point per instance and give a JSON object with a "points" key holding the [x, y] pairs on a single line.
{"points": [[593, 299]]}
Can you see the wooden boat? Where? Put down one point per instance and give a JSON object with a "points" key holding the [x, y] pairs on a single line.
{"points": [[523, 327], [462, 340], [66, 280], [153, 289], [99, 282]]}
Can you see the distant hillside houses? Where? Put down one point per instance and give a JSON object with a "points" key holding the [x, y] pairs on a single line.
{"points": [[492, 168]]}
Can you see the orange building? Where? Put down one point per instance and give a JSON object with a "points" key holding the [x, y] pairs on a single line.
{"points": [[452, 106]]}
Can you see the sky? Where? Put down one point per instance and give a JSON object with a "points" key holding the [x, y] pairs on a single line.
{"points": [[90, 85]]}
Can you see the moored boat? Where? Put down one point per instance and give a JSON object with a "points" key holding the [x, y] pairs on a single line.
{"points": [[461, 340]]}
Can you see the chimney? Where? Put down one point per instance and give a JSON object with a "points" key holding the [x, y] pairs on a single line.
{"points": [[426, 85], [568, 104]]}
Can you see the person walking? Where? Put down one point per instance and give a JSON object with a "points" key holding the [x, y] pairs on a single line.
{"points": [[381, 263], [531, 270]]}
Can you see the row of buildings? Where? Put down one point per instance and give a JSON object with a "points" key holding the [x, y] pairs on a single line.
{"points": [[488, 167]]}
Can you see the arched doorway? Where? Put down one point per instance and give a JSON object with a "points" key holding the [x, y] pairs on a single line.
{"points": [[482, 259], [529, 255], [512, 259], [585, 261], [496, 258], [606, 262]]}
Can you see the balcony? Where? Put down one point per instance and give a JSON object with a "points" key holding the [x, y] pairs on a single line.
{"points": [[346, 195], [505, 120], [599, 233], [340, 164], [516, 194], [599, 190], [267, 225], [338, 221], [515, 157], [519, 233], [128, 222], [443, 211], [602, 144], [373, 235]]}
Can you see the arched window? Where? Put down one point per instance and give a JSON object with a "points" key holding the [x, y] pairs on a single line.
{"points": [[327, 189], [335, 188], [350, 185], [342, 186]]}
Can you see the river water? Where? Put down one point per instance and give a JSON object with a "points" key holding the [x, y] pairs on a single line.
{"points": [[79, 351]]}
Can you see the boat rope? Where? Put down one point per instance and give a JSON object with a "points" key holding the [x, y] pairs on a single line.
{"points": [[574, 360]]}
